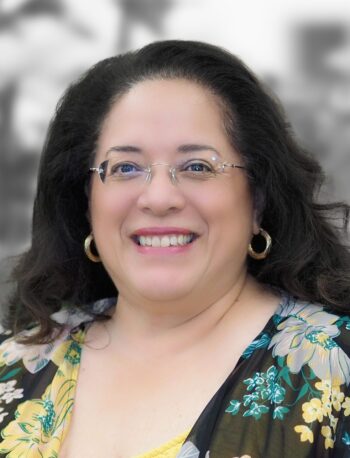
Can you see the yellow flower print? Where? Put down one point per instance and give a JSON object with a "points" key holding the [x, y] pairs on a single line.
{"points": [[321, 410], [306, 433], [337, 397], [325, 386], [326, 406], [30, 434], [69, 350], [40, 425], [346, 406], [313, 410], [327, 433], [333, 421], [332, 397]]}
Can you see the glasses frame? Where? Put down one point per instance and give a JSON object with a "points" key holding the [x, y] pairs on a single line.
{"points": [[101, 170]]}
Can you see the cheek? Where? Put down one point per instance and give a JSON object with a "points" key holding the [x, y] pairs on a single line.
{"points": [[229, 205], [106, 211]]}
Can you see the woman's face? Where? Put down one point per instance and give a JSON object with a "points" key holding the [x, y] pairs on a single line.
{"points": [[161, 121]]}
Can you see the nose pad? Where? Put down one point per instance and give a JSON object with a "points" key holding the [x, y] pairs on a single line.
{"points": [[161, 193], [171, 168]]}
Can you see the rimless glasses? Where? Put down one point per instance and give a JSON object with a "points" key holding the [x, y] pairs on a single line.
{"points": [[194, 170]]}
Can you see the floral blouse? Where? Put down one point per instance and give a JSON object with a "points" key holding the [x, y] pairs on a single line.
{"points": [[288, 395]]}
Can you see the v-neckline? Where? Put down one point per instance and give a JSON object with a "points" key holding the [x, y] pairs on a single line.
{"points": [[269, 325]]}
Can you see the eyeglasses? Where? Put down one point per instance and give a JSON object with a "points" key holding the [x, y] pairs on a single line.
{"points": [[194, 170]]}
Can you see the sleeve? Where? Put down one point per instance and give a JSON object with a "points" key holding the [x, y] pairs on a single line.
{"points": [[341, 399], [11, 379]]}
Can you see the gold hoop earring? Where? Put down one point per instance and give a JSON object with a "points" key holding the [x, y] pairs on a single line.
{"points": [[87, 247], [263, 254]]}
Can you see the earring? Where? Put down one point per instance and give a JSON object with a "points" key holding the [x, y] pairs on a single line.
{"points": [[87, 247], [263, 254]]}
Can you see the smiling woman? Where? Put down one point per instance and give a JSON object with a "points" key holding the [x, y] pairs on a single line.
{"points": [[182, 188], [184, 287]]}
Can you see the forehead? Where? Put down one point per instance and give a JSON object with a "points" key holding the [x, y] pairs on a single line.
{"points": [[162, 114]]}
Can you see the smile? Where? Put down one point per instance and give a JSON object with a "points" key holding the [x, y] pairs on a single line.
{"points": [[164, 240]]}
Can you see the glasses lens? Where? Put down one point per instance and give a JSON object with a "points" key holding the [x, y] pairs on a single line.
{"points": [[119, 170], [191, 170], [196, 169]]}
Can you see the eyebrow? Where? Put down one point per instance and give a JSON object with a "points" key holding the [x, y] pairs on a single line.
{"points": [[187, 148]]}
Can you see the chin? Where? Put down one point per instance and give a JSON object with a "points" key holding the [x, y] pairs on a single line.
{"points": [[162, 291]]}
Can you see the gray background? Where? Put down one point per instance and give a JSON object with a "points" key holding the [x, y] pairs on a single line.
{"points": [[301, 49]]}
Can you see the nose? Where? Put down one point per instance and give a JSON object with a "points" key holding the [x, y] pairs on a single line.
{"points": [[161, 194]]}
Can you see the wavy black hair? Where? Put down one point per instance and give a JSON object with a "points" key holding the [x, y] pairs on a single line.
{"points": [[309, 258]]}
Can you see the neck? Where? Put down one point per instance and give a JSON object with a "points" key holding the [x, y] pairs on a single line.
{"points": [[175, 330]]}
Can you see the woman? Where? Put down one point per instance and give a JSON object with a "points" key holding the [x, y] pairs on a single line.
{"points": [[207, 315]]}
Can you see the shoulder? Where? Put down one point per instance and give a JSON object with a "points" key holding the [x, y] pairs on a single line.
{"points": [[312, 334], [37, 383], [33, 358]]}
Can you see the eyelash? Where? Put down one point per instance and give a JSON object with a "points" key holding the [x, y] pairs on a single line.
{"points": [[208, 166], [116, 167]]}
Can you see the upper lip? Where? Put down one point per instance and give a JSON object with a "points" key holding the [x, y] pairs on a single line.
{"points": [[161, 231]]}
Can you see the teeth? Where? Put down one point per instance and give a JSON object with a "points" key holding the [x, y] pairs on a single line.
{"points": [[173, 240], [165, 240]]}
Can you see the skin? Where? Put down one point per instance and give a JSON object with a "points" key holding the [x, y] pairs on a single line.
{"points": [[154, 117], [177, 317]]}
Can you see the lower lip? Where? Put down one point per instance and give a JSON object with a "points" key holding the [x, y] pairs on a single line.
{"points": [[164, 250]]}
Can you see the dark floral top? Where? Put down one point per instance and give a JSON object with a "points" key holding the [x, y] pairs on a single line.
{"points": [[288, 396]]}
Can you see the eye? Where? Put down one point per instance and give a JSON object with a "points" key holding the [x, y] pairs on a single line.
{"points": [[199, 167], [124, 170]]}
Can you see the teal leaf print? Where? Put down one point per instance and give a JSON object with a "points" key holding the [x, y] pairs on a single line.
{"points": [[265, 392], [273, 392], [302, 392], [263, 387], [342, 320], [271, 373], [309, 374], [24, 427], [233, 408], [284, 374], [254, 382], [262, 342], [277, 319], [279, 412], [10, 374], [346, 439], [278, 394], [248, 398], [280, 360], [256, 411]]}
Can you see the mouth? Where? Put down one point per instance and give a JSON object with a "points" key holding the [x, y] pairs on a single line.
{"points": [[164, 241]]}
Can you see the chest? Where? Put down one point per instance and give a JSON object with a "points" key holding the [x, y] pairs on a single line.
{"points": [[133, 407], [132, 410]]}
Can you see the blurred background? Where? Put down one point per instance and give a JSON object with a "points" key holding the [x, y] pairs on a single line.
{"points": [[300, 49]]}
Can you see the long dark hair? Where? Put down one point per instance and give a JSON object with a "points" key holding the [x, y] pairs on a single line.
{"points": [[308, 258]]}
